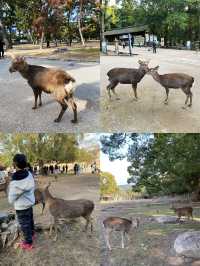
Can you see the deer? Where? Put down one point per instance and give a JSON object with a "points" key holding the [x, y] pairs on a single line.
{"points": [[127, 76], [48, 80], [183, 211], [39, 198], [4, 186], [174, 81], [61, 210], [125, 226]]}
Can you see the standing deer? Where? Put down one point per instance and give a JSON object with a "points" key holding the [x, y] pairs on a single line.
{"points": [[51, 81], [127, 76], [123, 225], [61, 210], [174, 81], [183, 211]]}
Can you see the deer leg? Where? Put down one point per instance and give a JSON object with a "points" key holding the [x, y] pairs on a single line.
{"points": [[56, 231], [167, 95], [112, 86], [135, 91], [43, 206], [187, 93], [36, 98], [64, 108], [190, 95], [107, 239], [40, 98], [116, 95], [122, 234], [74, 108]]}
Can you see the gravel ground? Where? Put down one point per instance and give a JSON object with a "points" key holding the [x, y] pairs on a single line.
{"points": [[16, 100], [149, 114]]}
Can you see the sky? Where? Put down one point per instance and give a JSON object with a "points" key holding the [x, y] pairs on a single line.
{"points": [[118, 168]]}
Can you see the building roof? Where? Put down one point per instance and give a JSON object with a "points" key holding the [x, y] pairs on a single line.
{"points": [[127, 30]]}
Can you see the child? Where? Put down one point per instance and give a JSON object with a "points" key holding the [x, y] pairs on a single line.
{"points": [[21, 194]]}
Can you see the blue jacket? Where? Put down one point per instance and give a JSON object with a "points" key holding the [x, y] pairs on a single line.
{"points": [[21, 190]]}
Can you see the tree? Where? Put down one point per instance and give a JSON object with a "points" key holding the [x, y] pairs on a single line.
{"points": [[162, 163], [41, 148], [108, 184]]}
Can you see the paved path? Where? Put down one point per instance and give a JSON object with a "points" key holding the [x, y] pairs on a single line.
{"points": [[149, 114], [16, 100]]}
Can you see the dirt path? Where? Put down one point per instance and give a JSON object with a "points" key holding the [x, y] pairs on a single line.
{"points": [[149, 114], [152, 243], [16, 100], [73, 248]]}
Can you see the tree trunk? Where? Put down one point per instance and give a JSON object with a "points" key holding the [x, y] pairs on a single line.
{"points": [[2, 28], [42, 40], [80, 32]]}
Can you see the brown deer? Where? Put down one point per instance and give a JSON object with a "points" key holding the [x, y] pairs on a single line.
{"points": [[183, 211], [4, 186], [62, 210], [51, 81], [127, 76], [123, 225], [174, 81], [39, 198]]}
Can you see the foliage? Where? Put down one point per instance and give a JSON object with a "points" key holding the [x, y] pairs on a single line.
{"points": [[45, 19], [175, 20], [108, 184], [41, 148], [162, 163]]}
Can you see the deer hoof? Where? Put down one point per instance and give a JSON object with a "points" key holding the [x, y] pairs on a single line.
{"points": [[57, 120], [189, 105], [74, 121], [117, 98], [34, 107]]}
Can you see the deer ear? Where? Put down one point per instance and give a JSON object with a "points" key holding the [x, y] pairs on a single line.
{"points": [[156, 68]]}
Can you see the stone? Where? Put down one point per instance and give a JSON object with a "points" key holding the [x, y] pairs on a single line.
{"points": [[188, 244], [166, 219]]}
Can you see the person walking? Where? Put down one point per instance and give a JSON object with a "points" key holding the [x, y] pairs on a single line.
{"points": [[154, 47], [2, 49]]}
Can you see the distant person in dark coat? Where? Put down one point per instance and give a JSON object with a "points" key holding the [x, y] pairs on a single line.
{"points": [[154, 47], [2, 48]]}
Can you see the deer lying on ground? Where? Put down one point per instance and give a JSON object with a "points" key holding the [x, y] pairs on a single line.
{"points": [[183, 211], [123, 225], [51, 81], [174, 81], [62, 210], [127, 76]]}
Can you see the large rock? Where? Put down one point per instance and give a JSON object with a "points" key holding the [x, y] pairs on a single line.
{"points": [[188, 244], [166, 219]]}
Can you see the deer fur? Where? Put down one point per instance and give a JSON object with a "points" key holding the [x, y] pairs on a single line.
{"points": [[127, 76], [122, 225], [48, 80], [61, 209], [174, 81], [39, 198], [183, 211], [4, 186]]}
